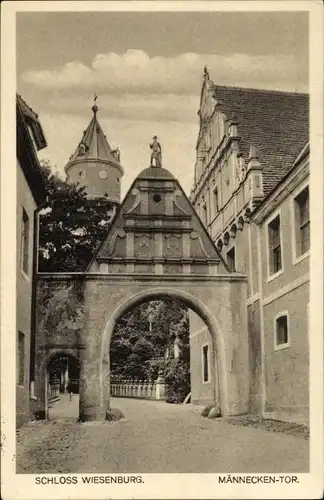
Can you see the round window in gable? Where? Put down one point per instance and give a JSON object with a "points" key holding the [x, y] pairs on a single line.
{"points": [[156, 198], [81, 174], [103, 174]]}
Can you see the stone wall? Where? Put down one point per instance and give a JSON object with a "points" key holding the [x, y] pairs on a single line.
{"points": [[59, 323]]}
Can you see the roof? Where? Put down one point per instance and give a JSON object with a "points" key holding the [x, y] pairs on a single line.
{"points": [[94, 145], [276, 122], [155, 173], [31, 119], [26, 148]]}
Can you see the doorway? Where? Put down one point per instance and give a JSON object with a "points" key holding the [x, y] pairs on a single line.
{"points": [[63, 381]]}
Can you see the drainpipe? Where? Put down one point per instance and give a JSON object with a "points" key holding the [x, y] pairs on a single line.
{"points": [[262, 339], [216, 375], [33, 299]]}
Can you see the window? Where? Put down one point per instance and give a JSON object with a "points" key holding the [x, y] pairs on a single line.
{"points": [[103, 174], [204, 214], [231, 259], [281, 331], [205, 364], [216, 206], [275, 263], [25, 242], [302, 222], [21, 359]]}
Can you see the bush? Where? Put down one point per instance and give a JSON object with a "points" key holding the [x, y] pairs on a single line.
{"points": [[113, 414], [177, 379]]}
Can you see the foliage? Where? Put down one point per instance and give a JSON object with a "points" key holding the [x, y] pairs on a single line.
{"points": [[71, 227], [143, 345], [177, 378]]}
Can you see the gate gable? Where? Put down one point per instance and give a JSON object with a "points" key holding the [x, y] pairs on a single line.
{"points": [[156, 230]]}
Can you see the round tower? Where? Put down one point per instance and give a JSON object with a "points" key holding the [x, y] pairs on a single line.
{"points": [[95, 165]]}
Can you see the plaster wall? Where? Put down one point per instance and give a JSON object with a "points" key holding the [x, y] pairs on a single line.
{"points": [[25, 201]]}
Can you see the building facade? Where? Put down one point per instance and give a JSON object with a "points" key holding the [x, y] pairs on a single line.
{"points": [[251, 192], [30, 195]]}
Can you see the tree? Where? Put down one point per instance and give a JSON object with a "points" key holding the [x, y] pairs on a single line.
{"points": [[71, 227], [149, 331]]}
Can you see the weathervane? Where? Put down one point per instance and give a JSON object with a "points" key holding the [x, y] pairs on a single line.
{"points": [[156, 155], [95, 107]]}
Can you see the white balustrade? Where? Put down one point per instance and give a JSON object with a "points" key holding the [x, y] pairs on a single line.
{"points": [[140, 389]]}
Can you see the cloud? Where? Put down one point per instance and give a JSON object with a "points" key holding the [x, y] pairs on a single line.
{"points": [[135, 72], [141, 96]]}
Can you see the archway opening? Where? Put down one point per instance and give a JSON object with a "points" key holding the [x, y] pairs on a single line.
{"points": [[150, 352], [138, 360], [63, 379]]}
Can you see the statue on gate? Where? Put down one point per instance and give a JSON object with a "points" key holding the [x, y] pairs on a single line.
{"points": [[156, 153]]}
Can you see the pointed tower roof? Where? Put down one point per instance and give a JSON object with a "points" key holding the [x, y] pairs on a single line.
{"points": [[94, 146]]}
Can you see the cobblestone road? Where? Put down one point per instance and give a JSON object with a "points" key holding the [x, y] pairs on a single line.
{"points": [[154, 437]]}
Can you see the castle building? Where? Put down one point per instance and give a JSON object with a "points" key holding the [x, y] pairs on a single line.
{"points": [[30, 197], [251, 190], [95, 165]]}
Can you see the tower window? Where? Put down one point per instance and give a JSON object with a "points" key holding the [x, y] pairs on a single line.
{"points": [[156, 198], [103, 174]]}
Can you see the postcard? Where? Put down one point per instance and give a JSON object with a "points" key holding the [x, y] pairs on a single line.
{"points": [[162, 250]]}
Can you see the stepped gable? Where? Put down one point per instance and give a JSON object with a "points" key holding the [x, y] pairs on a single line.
{"points": [[156, 230], [275, 122]]}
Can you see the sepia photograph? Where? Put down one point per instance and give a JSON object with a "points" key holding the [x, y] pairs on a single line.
{"points": [[163, 231]]}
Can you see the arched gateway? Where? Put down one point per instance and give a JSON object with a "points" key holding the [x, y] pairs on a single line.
{"points": [[156, 247]]}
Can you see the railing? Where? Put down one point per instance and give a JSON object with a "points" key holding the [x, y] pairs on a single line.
{"points": [[135, 388]]}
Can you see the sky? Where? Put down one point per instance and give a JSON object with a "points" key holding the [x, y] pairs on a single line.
{"points": [[147, 69]]}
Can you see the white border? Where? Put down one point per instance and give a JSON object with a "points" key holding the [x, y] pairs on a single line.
{"points": [[268, 221], [294, 194], [280, 347]]}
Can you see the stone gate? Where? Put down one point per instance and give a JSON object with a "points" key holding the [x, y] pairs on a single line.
{"points": [[156, 247]]}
